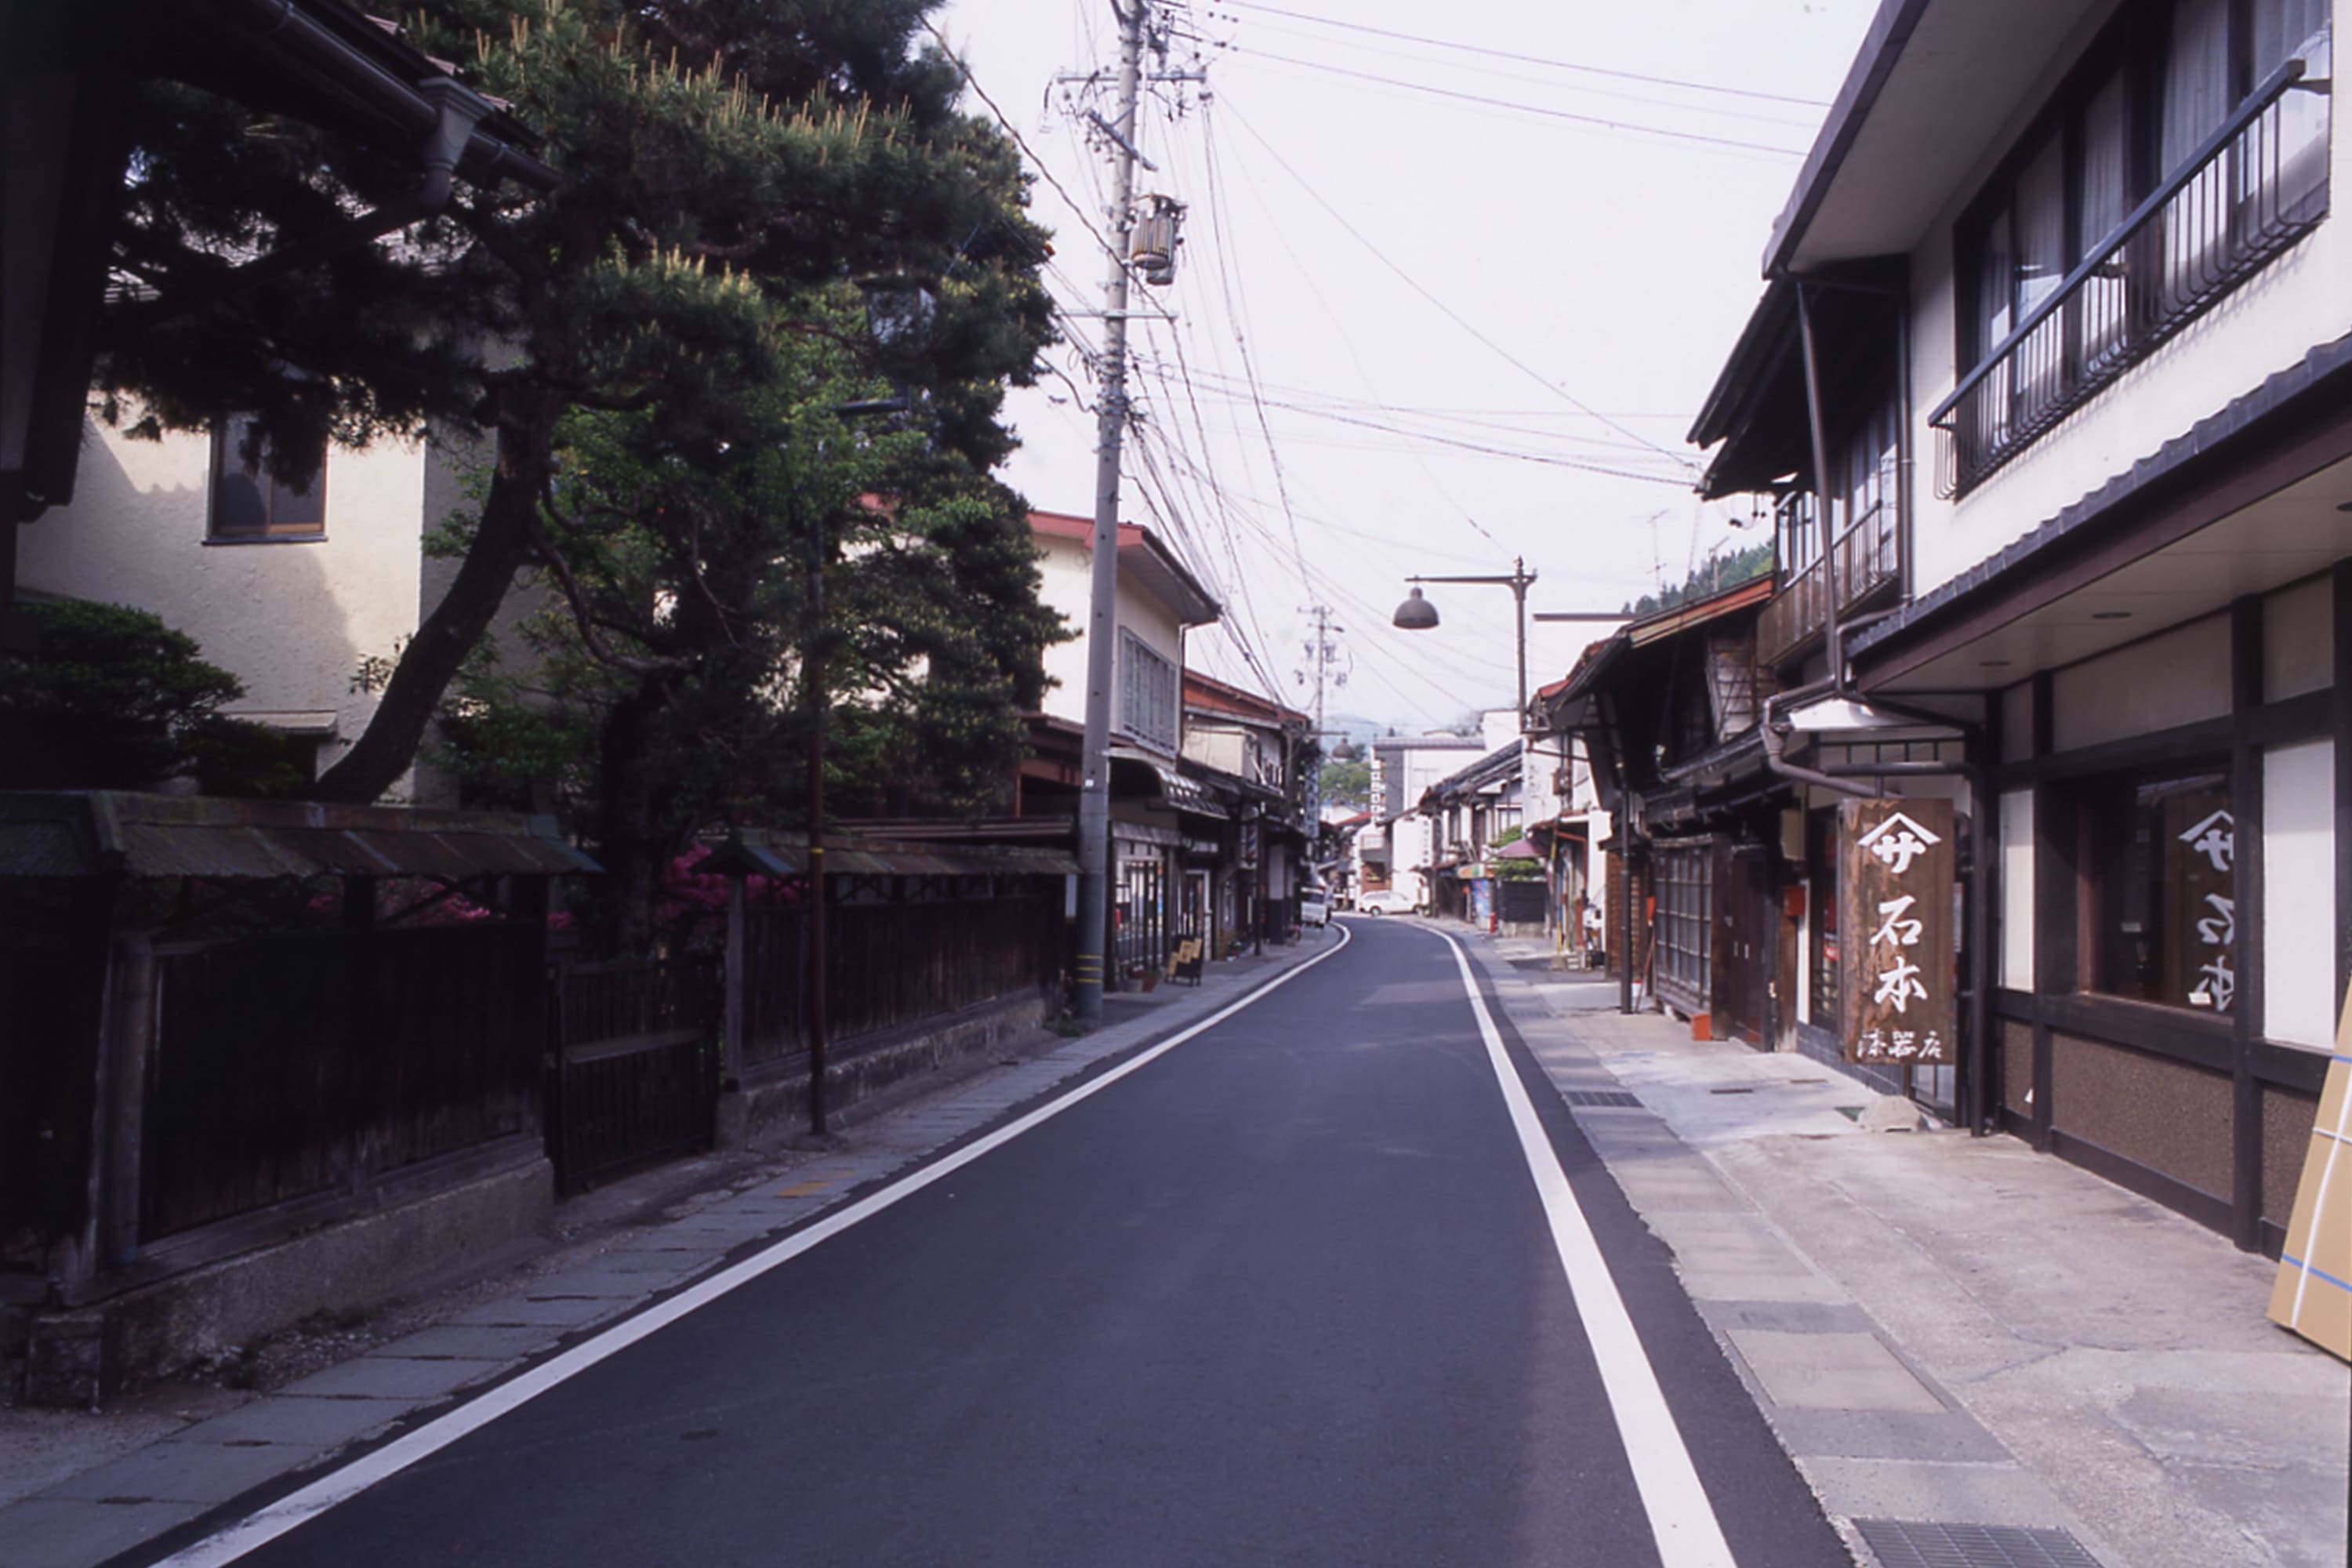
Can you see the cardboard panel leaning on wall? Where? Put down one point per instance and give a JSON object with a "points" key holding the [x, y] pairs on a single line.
{"points": [[2313, 1294]]}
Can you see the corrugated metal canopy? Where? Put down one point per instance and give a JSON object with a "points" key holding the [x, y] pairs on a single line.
{"points": [[1179, 793], [787, 855], [90, 833]]}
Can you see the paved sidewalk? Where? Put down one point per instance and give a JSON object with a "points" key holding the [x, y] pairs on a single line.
{"points": [[76, 1490], [1954, 1332]]}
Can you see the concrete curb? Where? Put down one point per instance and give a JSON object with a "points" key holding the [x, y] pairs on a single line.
{"points": [[1948, 1331], [91, 1503]]}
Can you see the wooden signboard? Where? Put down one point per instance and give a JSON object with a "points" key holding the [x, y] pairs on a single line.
{"points": [[1895, 891], [2313, 1294]]}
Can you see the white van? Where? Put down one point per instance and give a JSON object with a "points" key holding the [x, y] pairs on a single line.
{"points": [[1315, 906]]}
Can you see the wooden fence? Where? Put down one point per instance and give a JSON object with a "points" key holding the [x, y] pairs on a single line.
{"points": [[284, 1067], [636, 1074], [894, 961]]}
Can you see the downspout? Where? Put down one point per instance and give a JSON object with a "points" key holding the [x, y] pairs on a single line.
{"points": [[1835, 639], [1979, 1037]]}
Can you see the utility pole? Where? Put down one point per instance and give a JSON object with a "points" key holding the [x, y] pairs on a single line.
{"points": [[1102, 620], [1320, 650]]}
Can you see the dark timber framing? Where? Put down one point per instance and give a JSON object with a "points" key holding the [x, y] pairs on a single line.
{"points": [[2060, 1003]]}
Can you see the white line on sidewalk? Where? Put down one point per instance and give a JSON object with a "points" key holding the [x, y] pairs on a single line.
{"points": [[341, 1485], [1681, 1517]]}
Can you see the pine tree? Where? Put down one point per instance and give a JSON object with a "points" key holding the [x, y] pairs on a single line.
{"points": [[727, 166]]}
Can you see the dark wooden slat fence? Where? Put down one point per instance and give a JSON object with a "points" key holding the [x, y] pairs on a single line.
{"points": [[636, 1076], [289, 1066]]}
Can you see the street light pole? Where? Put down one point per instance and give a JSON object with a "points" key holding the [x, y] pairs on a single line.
{"points": [[813, 914], [1102, 619], [1418, 614]]}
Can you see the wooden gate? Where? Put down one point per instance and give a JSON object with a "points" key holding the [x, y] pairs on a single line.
{"points": [[636, 1067]]}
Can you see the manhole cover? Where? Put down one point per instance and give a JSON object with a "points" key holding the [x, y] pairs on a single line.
{"points": [[1598, 1097], [1903, 1543]]}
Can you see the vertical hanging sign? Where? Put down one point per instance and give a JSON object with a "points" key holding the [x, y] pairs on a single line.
{"points": [[1895, 919]]}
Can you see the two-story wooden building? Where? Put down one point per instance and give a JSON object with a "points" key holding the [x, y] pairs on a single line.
{"points": [[2050, 394]]}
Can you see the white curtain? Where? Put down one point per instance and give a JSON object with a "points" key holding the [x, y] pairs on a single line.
{"points": [[2284, 30], [2197, 99], [2038, 370], [2106, 199], [2197, 95]]}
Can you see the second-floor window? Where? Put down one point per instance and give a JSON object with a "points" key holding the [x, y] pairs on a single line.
{"points": [[1147, 693], [249, 502], [2141, 114]]}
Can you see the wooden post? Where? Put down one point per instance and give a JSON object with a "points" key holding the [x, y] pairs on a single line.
{"points": [[732, 1040], [129, 1033]]}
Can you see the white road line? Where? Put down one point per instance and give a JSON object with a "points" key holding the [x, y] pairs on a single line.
{"points": [[1681, 1517], [341, 1485]]}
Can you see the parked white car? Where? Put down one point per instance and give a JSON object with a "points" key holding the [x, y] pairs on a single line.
{"points": [[1384, 902], [1315, 906]]}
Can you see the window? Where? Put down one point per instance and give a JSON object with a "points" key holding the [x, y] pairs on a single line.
{"points": [[1821, 914], [249, 502], [2141, 114], [1147, 693], [2161, 903], [1864, 532], [1141, 914], [1685, 919], [2070, 185]]}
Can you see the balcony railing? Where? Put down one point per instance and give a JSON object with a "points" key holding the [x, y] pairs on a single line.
{"points": [[1868, 556], [2256, 185]]}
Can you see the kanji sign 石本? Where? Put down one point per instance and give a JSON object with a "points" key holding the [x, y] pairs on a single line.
{"points": [[1896, 895]]}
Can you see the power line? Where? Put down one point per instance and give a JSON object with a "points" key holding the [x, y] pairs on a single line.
{"points": [[1045, 174], [1450, 313], [1750, 115], [1530, 59], [1600, 121], [1241, 342]]}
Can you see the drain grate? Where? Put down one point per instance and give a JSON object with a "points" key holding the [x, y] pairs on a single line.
{"points": [[1598, 1097], [1903, 1543]]}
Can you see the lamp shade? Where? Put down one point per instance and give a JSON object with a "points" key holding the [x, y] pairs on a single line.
{"points": [[899, 311], [1416, 613]]}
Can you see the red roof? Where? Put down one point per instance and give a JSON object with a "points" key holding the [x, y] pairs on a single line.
{"points": [[1202, 692], [1152, 563], [1062, 525]]}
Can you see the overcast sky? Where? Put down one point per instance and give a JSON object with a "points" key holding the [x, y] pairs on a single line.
{"points": [[1440, 302]]}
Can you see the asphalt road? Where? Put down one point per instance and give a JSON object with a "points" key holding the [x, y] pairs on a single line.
{"points": [[1286, 1295]]}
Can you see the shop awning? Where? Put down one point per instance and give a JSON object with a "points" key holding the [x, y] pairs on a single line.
{"points": [[94, 833], [765, 854], [1181, 794]]}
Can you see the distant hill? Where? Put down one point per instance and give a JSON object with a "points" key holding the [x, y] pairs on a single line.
{"points": [[1713, 575], [1354, 726]]}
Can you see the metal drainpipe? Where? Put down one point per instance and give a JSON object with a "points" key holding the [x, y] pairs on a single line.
{"points": [[1978, 780], [1835, 639]]}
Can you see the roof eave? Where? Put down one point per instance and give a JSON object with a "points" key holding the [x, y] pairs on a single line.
{"points": [[1881, 50]]}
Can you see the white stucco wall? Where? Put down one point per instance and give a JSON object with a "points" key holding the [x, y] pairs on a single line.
{"points": [[2298, 912], [2176, 678], [1065, 585], [2017, 890], [292, 619], [2301, 299], [2299, 640], [1409, 851]]}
